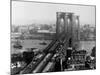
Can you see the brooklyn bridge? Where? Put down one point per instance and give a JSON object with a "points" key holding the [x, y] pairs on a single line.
{"points": [[63, 53]]}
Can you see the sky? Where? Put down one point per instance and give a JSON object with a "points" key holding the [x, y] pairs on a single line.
{"points": [[45, 13]]}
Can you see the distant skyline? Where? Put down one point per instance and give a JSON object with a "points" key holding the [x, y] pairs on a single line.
{"points": [[24, 13]]}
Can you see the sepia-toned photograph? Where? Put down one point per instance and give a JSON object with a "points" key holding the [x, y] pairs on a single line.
{"points": [[52, 37]]}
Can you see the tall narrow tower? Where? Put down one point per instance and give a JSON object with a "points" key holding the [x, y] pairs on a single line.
{"points": [[68, 25]]}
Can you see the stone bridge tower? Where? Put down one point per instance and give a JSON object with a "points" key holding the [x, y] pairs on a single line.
{"points": [[68, 25]]}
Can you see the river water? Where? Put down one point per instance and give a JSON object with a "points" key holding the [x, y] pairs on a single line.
{"points": [[30, 44], [87, 45]]}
